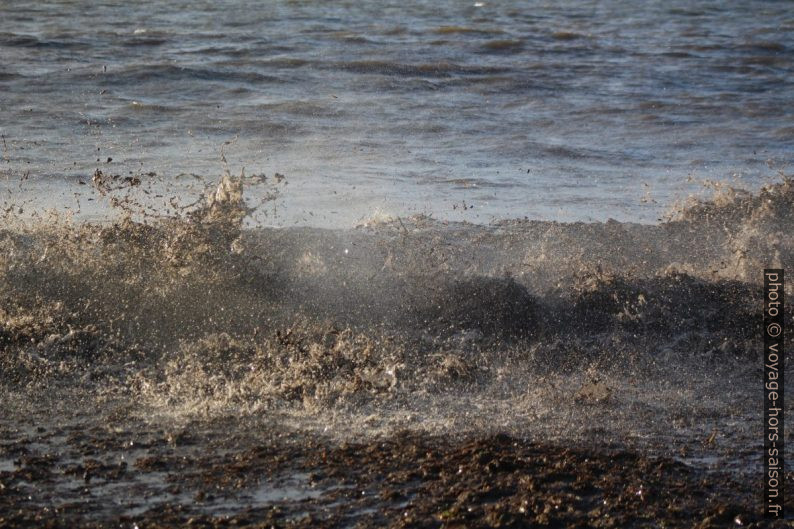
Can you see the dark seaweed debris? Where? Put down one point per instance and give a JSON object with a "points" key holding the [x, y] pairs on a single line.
{"points": [[277, 478]]}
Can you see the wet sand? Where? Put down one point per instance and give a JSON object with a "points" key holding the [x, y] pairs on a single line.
{"points": [[112, 471]]}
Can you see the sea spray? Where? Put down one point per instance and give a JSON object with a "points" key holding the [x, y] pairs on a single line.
{"points": [[196, 314]]}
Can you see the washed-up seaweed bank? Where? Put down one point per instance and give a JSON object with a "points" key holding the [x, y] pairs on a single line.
{"points": [[195, 369]]}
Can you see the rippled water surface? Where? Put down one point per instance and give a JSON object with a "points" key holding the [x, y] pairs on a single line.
{"points": [[465, 110]]}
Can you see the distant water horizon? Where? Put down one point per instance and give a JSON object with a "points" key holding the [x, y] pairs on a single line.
{"points": [[473, 111]]}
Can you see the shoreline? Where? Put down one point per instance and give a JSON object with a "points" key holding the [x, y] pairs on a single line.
{"points": [[239, 473]]}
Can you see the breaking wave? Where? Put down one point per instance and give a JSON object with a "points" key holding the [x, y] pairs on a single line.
{"points": [[198, 313]]}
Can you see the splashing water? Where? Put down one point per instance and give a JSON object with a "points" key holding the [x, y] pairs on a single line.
{"points": [[519, 324]]}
